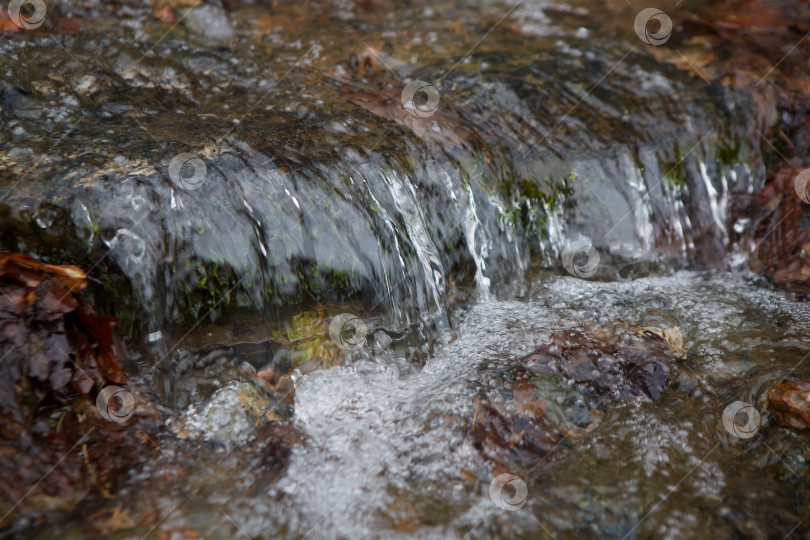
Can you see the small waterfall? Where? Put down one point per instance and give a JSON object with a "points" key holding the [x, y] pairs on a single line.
{"points": [[408, 205], [327, 200], [718, 202], [478, 244]]}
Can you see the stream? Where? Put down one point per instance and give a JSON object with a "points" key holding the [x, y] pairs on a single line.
{"points": [[386, 453], [402, 269]]}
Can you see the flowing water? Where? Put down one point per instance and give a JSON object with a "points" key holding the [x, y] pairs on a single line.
{"points": [[286, 169], [384, 449], [304, 184]]}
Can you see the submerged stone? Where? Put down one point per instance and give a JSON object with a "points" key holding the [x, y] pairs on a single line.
{"points": [[789, 404], [555, 394], [210, 22], [232, 415]]}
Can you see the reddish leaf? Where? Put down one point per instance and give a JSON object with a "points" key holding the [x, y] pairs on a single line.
{"points": [[100, 328]]}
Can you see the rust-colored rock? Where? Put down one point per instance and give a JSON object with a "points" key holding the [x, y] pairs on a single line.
{"points": [[789, 404], [783, 231]]}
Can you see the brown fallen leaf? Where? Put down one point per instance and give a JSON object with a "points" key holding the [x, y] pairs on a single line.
{"points": [[110, 520], [674, 338], [57, 353], [27, 271], [443, 127]]}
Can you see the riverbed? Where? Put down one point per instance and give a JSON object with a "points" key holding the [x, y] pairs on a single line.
{"points": [[388, 270]]}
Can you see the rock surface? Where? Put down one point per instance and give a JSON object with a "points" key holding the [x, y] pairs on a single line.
{"points": [[553, 395], [789, 404], [286, 168]]}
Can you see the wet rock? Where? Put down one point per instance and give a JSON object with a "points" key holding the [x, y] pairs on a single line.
{"points": [[738, 52], [789, 404], [552, 397], [232, 415], [622, 362], [341, 190], [783, 233], [210, 22]]}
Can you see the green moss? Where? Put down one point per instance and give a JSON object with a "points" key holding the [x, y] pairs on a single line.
{"points": [[529, 202], [728, 152], [776, 150]]}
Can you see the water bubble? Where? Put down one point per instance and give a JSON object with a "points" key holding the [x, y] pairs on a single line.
{"points": [[140, 203], [657, 310]]}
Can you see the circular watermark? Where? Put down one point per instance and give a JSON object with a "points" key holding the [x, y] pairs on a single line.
{"points": [[422, 109], [115, 404], [30, 19], [181, 165], [752, 420], [642, 26], [348, 331], [800, 182], [581, 259], [508, 492]]}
